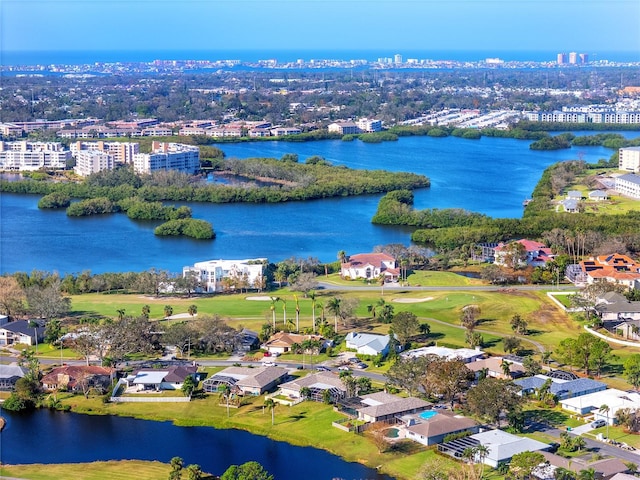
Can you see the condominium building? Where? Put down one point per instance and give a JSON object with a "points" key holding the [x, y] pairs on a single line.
{"points": [[168, 156], [573, 58], [122, 152], [93, 161], [628, 184], [220, 275], [25, 155], [369, 125], [573, 116], [344, 128], [629, 159], [562, 58]]}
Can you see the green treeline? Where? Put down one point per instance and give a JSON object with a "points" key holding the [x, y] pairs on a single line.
{"points": [[289, 182], [188, 227], [55, 200], [448, 229], [396, 208]]}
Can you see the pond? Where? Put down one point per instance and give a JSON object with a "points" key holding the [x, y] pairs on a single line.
{"points": [[46, 436]]}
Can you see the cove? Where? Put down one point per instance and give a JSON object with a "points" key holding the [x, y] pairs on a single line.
{"points": [[491, 175], [45, 436]]}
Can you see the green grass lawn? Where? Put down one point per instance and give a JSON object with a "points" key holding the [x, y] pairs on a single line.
{"points": [[113, 470], [306, 424]]}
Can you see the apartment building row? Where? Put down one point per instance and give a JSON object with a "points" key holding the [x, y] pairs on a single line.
{"points": [[93, 157], [362, 125], [611, 116]]}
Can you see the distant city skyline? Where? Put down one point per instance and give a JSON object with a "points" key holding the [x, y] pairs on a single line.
{"points": [[500, 25]]}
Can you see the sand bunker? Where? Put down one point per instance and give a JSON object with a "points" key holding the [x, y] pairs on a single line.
{"points": [[412, 300], [261, 298]]}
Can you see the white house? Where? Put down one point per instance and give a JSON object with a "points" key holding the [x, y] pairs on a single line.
{"points": [[537, 254], [368, 343], [20, 332], [615, 399], [501, 445], [370, 266], [211, 274], [465, 354], [171, 378]]}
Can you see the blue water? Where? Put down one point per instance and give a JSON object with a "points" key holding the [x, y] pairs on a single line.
{"points": [[428, 414], [45, 437], [491, 175], [87, 57]]}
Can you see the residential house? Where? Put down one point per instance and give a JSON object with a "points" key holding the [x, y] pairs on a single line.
{"points": [[370, 266], [562, 389], [19, 332], [384, 407], [368, 343], [10, 374], [598, 195], [250, 340], [467, 355], [171, 378], [433, 430], [501, 445], [282, 342], [574, 195], [344, 128], [615, 399], [614, 268], [221, 275], [604, 469], [78, 377], [570, 205], [317, 383], [537, 254], [246, 380], [493, 367], [485, 252]]}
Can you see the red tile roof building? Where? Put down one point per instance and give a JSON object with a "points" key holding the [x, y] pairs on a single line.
{"points": [[614, 268], [370, 266]]}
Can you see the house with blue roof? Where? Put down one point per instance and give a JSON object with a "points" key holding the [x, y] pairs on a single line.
{"points": [[562, 389], [367, 343]]}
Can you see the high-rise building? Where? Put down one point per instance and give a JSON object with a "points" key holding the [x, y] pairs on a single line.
{"points": [[562, 58], [584, 58], [168, 156], [397, 58], [573, 58]]}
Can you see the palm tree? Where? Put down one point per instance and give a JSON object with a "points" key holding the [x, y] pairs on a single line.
{"points": [[481, 452], [284, 311], [168, 311], [305, 392], [146, 311], [295, 297], [312, 296], [225, 393], [587, 474], [561, 473], [334, 307], [342, 256], [120, 313], [274, 300], [271, 405], [193, 309], [579, 443], [506, 368], [604, 408]]}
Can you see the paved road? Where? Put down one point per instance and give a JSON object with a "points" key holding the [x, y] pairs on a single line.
{"points": [[478, 288]]}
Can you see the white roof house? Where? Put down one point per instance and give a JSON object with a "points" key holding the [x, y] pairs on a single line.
{"points": [[615, 399], [501, 445], [465, 354], [368, 343]]}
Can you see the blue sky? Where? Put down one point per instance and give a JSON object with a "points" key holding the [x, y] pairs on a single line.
{"points": [[501, 25]]}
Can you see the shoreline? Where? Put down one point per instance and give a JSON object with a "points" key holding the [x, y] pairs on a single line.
{"points": [[218, 420]]}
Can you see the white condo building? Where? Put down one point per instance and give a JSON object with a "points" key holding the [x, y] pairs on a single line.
{"points": [[122, 152], [25, 155], [211, 273], [369, 125], [93, 161], [629, 159], [168, 156], [628, 184]]}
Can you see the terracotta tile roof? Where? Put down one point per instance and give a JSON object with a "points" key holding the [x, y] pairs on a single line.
{"points": [[374, 259]]}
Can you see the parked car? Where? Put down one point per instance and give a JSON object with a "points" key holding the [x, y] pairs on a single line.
{"points": [[354, 360], [268, 364], [343, 368], [598, 423], [322, 368], [361, 365]]}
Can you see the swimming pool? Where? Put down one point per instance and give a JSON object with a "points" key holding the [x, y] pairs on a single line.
{"points": [[428, 414]]}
